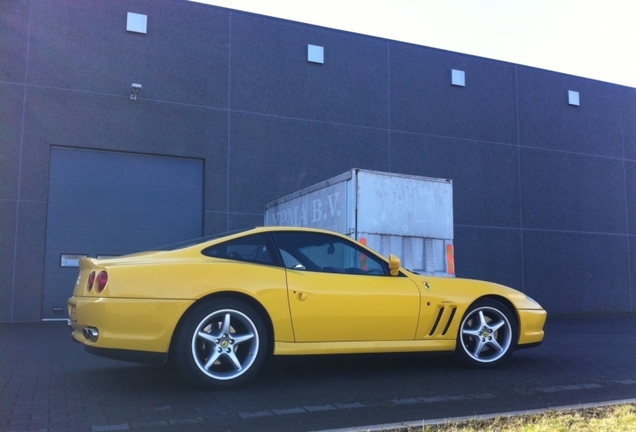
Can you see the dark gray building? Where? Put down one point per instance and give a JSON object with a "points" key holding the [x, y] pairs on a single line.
{"points": [[232, 114]]}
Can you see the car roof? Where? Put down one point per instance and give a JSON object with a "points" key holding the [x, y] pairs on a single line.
{"points": [[222, 236]]}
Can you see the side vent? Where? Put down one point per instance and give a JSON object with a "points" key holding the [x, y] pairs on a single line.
{"points": [[439, 317], [450, 321], [445, 317]]}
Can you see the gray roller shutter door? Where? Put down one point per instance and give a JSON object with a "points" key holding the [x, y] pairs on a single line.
{"points": [[107, 203]]}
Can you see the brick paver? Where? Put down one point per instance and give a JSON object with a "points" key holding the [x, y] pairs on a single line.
{"points": [[49, 383]]}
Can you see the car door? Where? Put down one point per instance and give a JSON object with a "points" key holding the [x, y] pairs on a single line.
{"points": [[339, 292]]}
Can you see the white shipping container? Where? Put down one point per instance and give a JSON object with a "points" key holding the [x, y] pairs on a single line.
{"points": [[408, 216]]}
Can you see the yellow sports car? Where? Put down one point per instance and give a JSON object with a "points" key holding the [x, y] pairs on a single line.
{"points": [[218, 307]]}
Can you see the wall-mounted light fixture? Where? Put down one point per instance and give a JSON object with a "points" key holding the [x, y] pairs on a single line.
{"points": [[458, 78], [573, 98], [315, 54], [134, 91]]}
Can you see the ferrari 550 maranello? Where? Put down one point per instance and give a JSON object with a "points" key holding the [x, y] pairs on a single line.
{"points": [[218, 307]]}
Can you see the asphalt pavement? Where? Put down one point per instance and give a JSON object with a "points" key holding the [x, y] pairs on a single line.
{"points": [[49, 383]]}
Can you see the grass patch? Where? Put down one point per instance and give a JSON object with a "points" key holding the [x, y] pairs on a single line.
{"points": [[615, 418]]}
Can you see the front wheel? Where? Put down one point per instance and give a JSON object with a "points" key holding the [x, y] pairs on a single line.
{"points": [[221, 343], [487, 334]]}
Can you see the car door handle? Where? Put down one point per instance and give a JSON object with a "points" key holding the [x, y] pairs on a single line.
{"points": [[301, 296]]}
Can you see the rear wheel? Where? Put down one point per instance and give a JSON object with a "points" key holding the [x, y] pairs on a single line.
{"points": [[221, 343], [487, 334]]}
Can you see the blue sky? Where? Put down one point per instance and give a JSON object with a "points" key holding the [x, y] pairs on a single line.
{"points": [[590, 38]]}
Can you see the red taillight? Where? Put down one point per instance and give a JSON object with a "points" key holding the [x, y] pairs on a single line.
{"points": [[102, 280], [91, 281]]}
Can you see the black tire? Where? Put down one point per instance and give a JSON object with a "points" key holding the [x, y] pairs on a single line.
{"points": [[220, 343], [487, 336]]}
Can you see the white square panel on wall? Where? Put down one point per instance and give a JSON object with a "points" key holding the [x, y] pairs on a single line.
{"points": [[137, 23], [573, 98], [458, 78], [315, 54]]}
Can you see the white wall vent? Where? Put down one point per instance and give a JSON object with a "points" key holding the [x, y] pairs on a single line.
{"points": [[137, 23], [315, 54], [573, 98], [458, 78]]}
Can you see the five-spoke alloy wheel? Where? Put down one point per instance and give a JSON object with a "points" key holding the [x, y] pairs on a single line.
{"points": [[487, 334], [221, 343]]}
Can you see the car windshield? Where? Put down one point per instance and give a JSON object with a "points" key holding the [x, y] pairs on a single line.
{"points": [[198, 240]]}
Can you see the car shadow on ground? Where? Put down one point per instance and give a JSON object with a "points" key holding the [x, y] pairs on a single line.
{"points": [[289, 372]]}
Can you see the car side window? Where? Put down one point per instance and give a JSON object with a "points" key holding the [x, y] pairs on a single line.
{"points": [[326, 253], [290, 261], [253, 249]]}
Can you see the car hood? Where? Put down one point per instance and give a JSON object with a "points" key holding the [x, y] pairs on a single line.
{"points": [[471, 289]]}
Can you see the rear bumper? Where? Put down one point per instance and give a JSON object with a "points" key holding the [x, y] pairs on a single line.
{"points": [[127, 325], [531, 322]]}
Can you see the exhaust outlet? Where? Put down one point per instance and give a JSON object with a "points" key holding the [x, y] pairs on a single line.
{"points": [[91, 333]]}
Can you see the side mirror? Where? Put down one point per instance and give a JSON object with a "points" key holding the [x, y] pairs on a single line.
{"points": [[394, 265]]}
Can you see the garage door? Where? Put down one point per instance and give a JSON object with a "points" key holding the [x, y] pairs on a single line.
{"points": [[107, 204]]}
